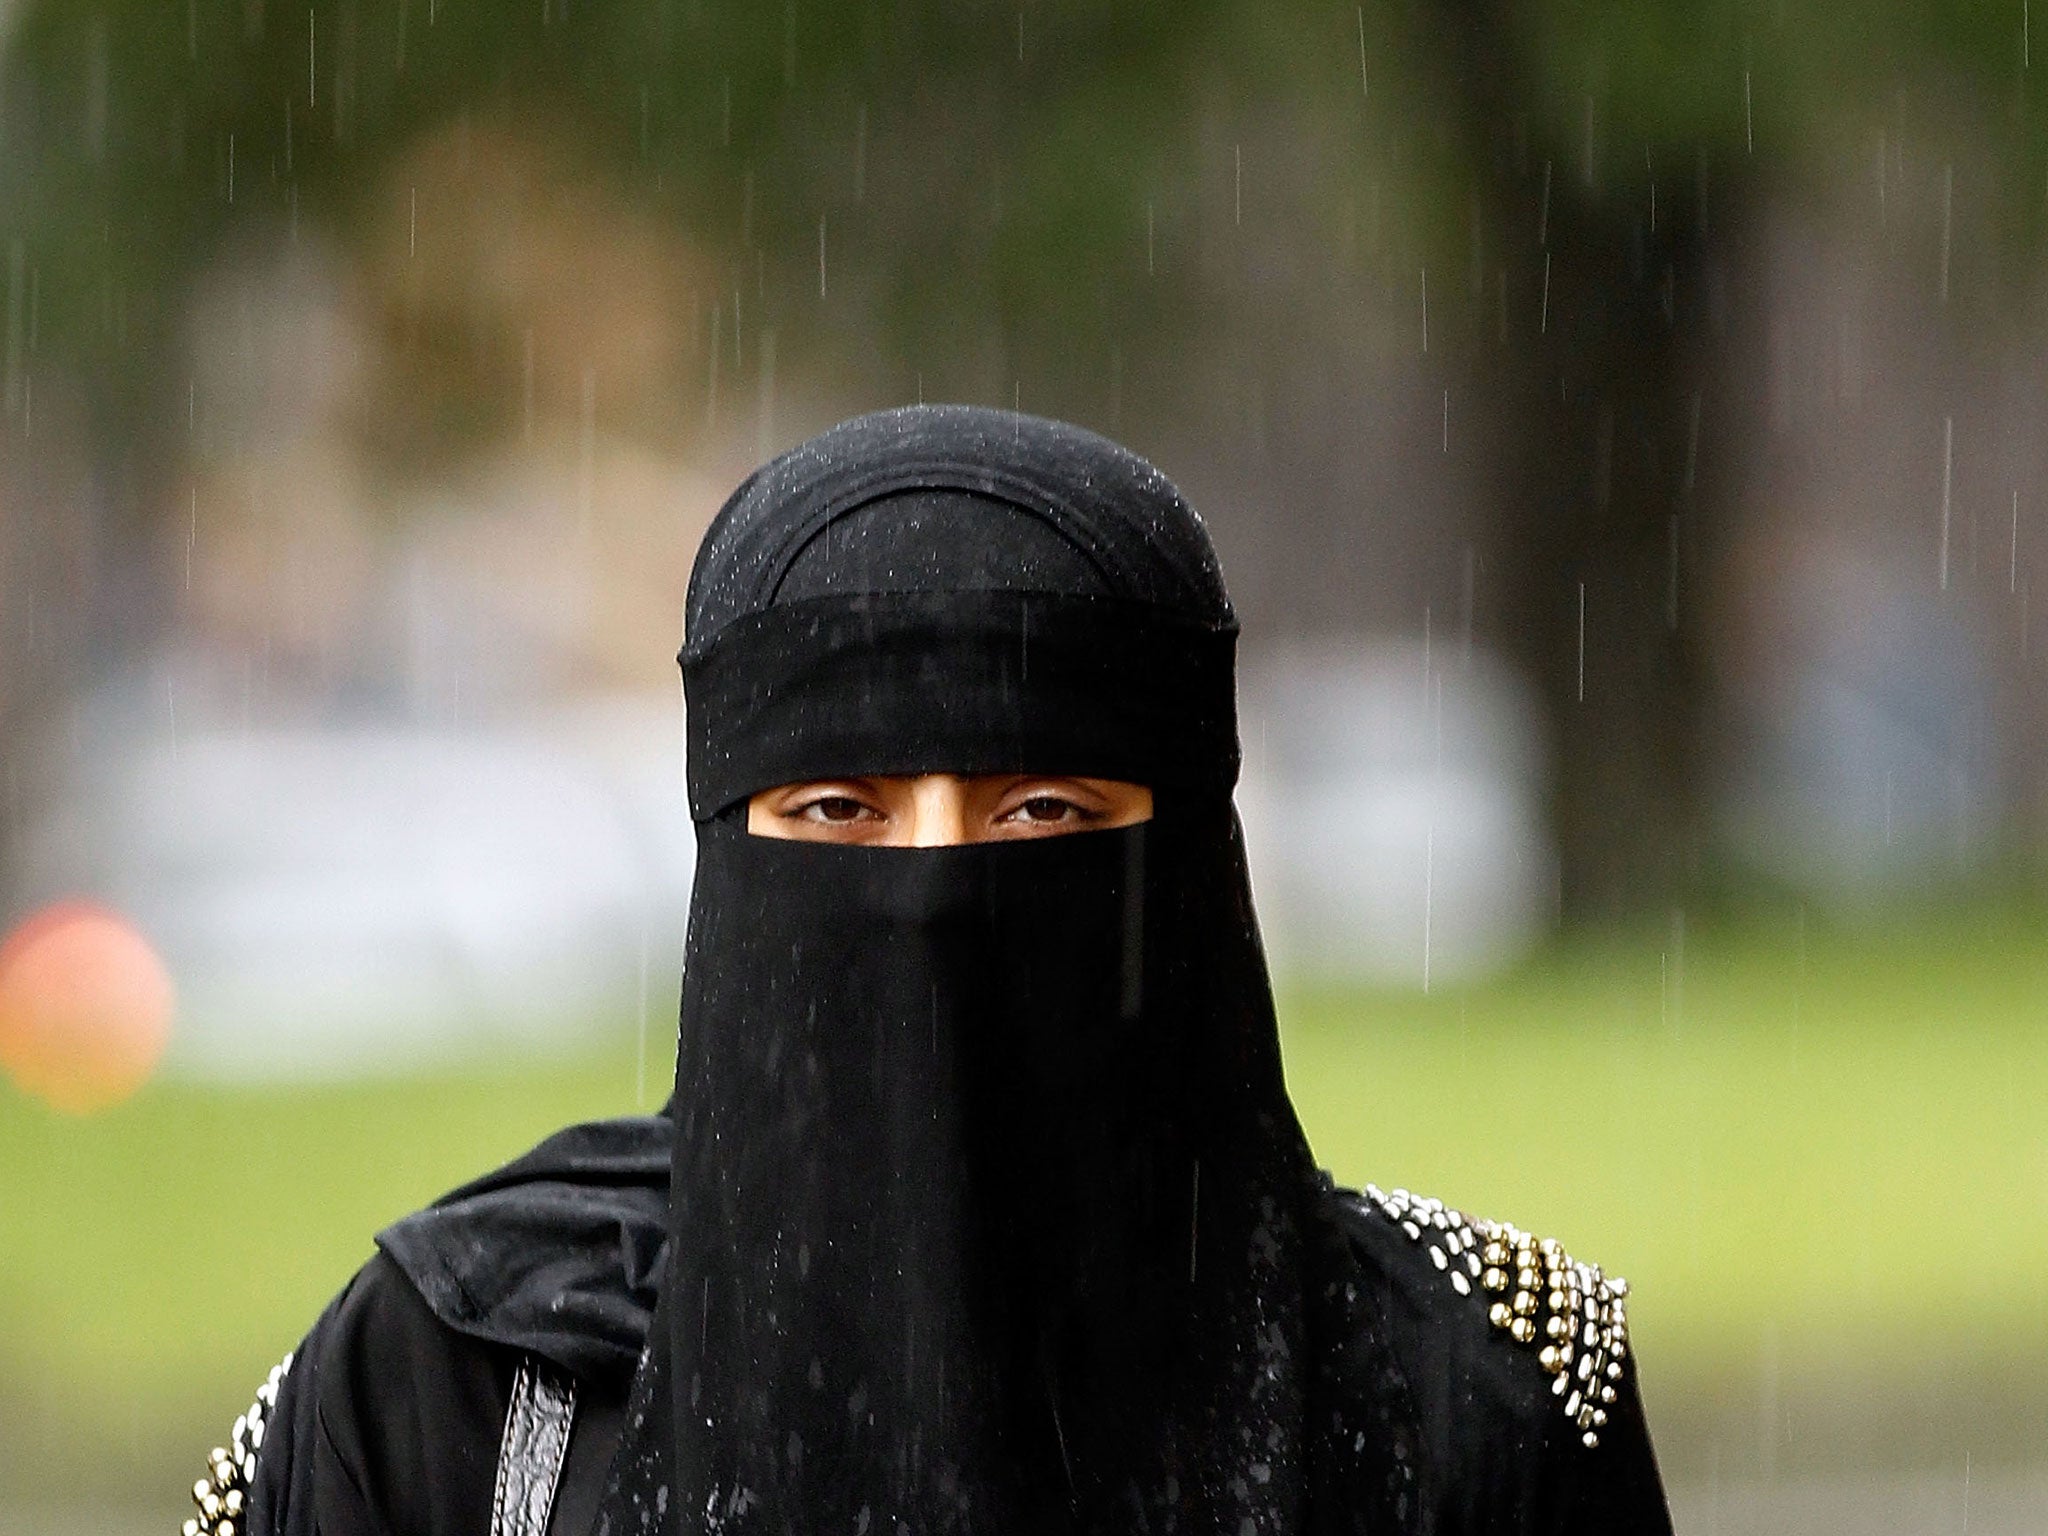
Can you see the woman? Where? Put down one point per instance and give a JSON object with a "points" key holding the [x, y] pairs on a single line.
{"points": [[979, 1205]]}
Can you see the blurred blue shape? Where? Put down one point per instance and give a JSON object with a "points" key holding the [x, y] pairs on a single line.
{"points": [[1869, 766]]}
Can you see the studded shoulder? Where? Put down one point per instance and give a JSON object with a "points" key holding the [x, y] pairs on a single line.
{"points": [[223, 1494], [1574, 1316]]}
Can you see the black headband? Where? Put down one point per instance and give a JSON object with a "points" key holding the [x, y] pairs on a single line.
{"points": [[960, 682]]}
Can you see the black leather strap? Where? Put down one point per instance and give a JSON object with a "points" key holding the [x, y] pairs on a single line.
{"points": [[600, 1416], [537, 1425]]}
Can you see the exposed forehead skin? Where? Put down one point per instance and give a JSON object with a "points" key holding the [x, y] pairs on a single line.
{"points": [[933, 498]]}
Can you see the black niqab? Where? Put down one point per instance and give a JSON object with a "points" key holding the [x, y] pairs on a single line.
{"points": [[987, 1200], [979, 1205]]}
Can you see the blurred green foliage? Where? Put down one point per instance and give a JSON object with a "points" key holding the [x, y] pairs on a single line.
{"points": [[1038, 170], [1786, 1138], [143, 139]]}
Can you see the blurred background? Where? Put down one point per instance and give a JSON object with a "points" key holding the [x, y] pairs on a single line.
{"points": [[1623, 427]]}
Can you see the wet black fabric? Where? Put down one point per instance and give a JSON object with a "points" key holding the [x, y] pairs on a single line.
{"points": [[390, 1419], [938, 541], [1420, 1419], [985, 682], [385, 1426], [557, 1253], [980, 1204], [947, 589], [1426, 1420], [990, 1189], [1011, 483], [987, 1196]]}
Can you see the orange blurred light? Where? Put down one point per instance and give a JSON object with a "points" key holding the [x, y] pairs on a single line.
{"points": [[85, 1007]]}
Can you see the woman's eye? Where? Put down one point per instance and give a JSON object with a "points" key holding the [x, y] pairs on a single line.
{"points": [[1043, 810], [835, 808]]}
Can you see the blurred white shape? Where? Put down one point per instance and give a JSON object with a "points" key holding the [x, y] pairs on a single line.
{"points": [[336, 899], [1392, 800]]}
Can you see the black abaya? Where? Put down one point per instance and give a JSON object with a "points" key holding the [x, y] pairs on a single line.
{"points": [[1429, 1422], [980, 1206]]}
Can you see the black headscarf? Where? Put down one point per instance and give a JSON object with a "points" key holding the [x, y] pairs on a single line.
{"points": [[987, 1200]]}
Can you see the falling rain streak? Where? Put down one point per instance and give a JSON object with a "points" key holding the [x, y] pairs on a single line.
{"points": [[1582, 643]]}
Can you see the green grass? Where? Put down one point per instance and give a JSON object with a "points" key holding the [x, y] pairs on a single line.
{"points": [[1813, 1147], [1817, 1146]]}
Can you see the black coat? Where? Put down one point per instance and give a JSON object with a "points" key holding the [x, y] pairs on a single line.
{"points": [[390, 1418]]}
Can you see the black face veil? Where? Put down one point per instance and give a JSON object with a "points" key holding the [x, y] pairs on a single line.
{"points": [[987, 1196]]}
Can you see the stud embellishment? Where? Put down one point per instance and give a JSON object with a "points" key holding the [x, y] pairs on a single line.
{"points": [[223, 1494], [1572, 1315]]}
